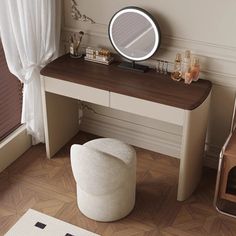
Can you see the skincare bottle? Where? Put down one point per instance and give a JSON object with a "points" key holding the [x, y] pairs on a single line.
{"points": [[186, 67], [195, 69], [176, 74]]}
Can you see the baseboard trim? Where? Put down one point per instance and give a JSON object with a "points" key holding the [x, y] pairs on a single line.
{"points": [[211, 161], [131, 136], [139, 139], [14, 146]]}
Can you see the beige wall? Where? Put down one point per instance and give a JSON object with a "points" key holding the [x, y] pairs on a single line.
{"points": [[205, 27], [207, 21]]}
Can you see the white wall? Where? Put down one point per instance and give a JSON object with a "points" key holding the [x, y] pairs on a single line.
{"points": [[206, 27]]}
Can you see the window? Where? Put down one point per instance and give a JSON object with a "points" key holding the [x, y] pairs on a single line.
{"points": [[10, 99]]}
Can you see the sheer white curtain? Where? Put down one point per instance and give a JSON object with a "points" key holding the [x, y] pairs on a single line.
{"points": [[29, 32]]}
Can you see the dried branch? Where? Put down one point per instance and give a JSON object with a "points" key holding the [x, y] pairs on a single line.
{"points": [[76, 15]]}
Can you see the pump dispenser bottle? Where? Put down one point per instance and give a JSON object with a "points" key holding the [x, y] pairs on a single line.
{"points": [[195, 69]]}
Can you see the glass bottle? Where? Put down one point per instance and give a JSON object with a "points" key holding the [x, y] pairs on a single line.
{"points": [[195, 69], [186, 67], [176, 74], [161, 66], [165, 67]]}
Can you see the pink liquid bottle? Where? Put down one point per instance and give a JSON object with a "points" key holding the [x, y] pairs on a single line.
{"points": [[195, 69]]}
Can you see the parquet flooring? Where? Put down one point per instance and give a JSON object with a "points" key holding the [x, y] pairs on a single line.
{"points": [[48, 186]]}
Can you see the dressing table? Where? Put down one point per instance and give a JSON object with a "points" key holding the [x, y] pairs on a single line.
{"points": [[67, 80]]}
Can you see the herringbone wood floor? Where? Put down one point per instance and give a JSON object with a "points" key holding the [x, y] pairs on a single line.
{"points": [[48, 186]]}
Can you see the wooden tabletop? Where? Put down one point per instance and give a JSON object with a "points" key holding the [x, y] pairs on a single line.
{"points": [[150, 86]]}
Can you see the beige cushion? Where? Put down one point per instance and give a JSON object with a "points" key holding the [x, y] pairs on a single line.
{"points": [[105, 173]]}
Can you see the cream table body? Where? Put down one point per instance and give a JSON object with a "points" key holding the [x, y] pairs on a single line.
{"points": [[66, 80]]}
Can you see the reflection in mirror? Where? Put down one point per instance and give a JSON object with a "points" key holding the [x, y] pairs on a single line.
{"points": [[134, 34]]}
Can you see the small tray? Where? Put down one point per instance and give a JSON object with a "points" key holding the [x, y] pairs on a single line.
{"points": [[107, 62]]}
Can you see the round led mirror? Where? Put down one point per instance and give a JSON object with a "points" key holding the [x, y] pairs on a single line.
{"points": [[134, 33]]}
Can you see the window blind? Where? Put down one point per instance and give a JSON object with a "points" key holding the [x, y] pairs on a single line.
{"points": [[10, 99]]}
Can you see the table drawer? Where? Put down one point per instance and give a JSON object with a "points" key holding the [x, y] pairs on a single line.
{"points": [[147, 108], [77, 91]]}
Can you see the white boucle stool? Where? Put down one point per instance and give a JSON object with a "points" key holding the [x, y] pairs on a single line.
{"points": [[105, 174]]}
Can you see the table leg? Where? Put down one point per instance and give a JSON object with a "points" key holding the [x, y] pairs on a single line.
{"points": [[192, 149], [61, 120]]}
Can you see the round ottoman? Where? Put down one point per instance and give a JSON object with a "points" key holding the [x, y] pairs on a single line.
{"points": [[105, 174]]}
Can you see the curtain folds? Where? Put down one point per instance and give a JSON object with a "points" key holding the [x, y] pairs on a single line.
{"points": [[29, 32]]}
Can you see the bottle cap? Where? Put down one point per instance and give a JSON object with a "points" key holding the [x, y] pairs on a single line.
{"points": [[187, 54], [195, 61], [178, 57]]}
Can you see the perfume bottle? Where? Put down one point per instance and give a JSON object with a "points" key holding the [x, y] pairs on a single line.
{"points": [[165, 67], [195, 69], [186, 67], [161, 66], [176, 74]]}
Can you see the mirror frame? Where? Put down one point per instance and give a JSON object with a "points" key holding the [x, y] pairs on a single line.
{"points": [[152, 21]]}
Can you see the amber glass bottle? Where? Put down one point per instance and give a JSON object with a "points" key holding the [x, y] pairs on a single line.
{"points": [[176, 74]]}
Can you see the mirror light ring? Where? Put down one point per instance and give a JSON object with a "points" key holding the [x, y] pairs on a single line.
{"points": [[151, 20]]}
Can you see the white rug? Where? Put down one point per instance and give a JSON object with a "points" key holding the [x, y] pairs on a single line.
{"points": [[34, 223]]}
